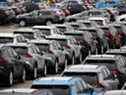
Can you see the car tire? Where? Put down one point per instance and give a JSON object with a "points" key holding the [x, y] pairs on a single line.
{"points": [[23, 77], [35, 73], [66, 63], [10, 79], [45, 70], [73, 60], [22, 23], [81, 57], [48, 22]]}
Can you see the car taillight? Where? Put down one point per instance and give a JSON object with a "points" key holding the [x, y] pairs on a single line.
{"points": [[27, 55], [2, 60], [66, 46], [115, 72], [50, 51]]}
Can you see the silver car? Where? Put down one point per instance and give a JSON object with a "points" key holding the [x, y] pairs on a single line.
{"points": [[95, 75], [52, 49], [36, 65], [70, 45]]}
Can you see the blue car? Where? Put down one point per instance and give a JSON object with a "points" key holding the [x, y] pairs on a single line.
{"points": [[64, 86]]}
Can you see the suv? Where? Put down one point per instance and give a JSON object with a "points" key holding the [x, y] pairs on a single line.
{"points": [[95, 75], [64, 86], [70, 45], [115, 63], [52, 49], [11, 66], [39, 17]]}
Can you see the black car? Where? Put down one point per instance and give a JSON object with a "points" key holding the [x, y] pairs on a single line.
{"points": [[11, 66], [39, 17], [6, 15]]}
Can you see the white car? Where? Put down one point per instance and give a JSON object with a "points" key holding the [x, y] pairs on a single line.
{"points": [[47, 30], [99, 20], [115, 92], [24, 91], [121, 18], [95, 75], [11, 38]]}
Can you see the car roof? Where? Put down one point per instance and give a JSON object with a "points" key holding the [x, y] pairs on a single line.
{"points": [[116, 51], [24, 30], [18, 90], [97, 18], [58, 37], [84, 68], [42, 27], [115, 92], [42, 41], [54, 81], [6, 34], [17, 44], [101, 57]]}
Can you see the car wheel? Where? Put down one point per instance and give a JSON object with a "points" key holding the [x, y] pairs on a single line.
{"points": [[66, 63], [10, 80], [45, 70], [48, 22], [81, 58], [22, 23], [23, 78], [35, 73]]}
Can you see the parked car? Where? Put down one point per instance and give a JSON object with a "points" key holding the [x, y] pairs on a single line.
{"points": [[99, 20], [24, 91], [63, 27], [28, 33], [69, 44], [115, 92], [47, 30], [95, 75], [6, 15], [39, 17], [80, 39], [52, 49], [11, 38], [11, 66], [115, 63], [64, 86], [35, 63]]}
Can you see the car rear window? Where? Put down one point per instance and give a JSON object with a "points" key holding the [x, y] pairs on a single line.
{"points": [[28, 35], [89, 77], [20, 49], [6, 40], [54, 89], [111, 64], [43, 47]]}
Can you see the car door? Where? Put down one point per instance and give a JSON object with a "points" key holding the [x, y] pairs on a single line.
{"points": [[18, 66]]}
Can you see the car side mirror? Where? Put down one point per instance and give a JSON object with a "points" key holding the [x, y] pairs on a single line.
{"points": [[18, 57]]}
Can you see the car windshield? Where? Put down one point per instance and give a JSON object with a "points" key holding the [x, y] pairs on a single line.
{"points": [[111, 64], [55, 89], [6, 40], [46, 32], [62, 42], [21, 50], [99, 22], [61, 28], [87, 24], [28, 35], [89, 77], [43, 47]]}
